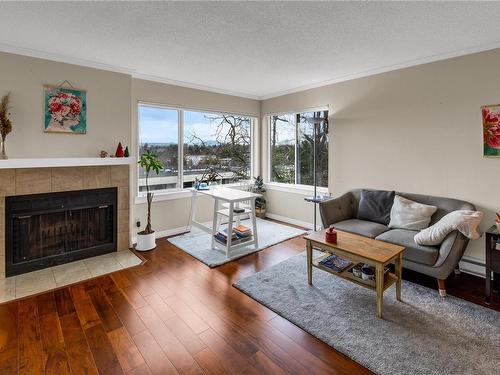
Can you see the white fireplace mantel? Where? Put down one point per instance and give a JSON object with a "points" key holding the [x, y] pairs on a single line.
{"points": [[63, 162]]}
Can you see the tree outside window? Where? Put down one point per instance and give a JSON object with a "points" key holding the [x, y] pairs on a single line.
{"points": [[291, 148], [218, 141]]}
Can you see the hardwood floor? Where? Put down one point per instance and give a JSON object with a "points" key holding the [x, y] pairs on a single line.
{"points": [[171, 315]]}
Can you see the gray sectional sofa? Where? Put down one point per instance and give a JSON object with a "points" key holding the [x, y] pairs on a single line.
{"points": [[435, 261]]}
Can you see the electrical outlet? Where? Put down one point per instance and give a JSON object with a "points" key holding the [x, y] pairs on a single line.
{"points": [[138, 223]]}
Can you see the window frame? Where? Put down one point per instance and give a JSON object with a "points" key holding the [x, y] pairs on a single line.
{"points": [[179, 191], [288, 187]]}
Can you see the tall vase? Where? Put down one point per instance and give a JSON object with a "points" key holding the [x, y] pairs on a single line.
{"points": [[3, 155]]}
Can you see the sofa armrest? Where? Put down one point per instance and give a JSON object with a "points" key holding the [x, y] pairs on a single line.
{"points": [[337, 209], [450, 252]]}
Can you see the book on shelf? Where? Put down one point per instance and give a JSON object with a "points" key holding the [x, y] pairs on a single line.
{"points": [[219, 237], [335, 263], [242, 231]]}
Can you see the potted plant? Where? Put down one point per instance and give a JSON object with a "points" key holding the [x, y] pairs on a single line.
{"points": [[260, 202], [146, 239]]}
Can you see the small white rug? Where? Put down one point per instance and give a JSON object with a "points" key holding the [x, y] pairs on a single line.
{"points": [[198, 243]]}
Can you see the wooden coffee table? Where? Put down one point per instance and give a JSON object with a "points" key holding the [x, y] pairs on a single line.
{"points": [[359, 249]]}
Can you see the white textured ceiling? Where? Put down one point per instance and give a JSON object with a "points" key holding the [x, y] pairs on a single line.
{"points": [[254, 49]]}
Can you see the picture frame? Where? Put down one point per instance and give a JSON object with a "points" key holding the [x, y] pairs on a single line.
{"points": [[65, 110]]}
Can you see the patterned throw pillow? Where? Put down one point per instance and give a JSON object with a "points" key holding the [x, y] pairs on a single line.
{"points": [[408, 214]]}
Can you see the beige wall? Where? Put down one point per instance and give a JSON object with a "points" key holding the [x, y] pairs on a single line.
{"points": [[173, 214], [108, 108], [414, 130]]}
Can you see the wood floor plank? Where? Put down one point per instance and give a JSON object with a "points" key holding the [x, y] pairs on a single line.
{"points": [[107, 314], [185, 313], [160, 307], [140, 283], [9, 338], [84, 307], [264, 365], [175, 351], [279, 356], [126, 313], [134, 297], [79, 355], [237, 363], [63, 301], [154, 356], [185, 335], [30, 346], [125, 349], [141, 370], [210, 363], [102, 351], [54, 350], [264, 329], [121, 279], [315, 346]]}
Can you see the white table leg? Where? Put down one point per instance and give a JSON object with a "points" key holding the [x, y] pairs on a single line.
{"points": [[254, 224], [193, 209], [237, 205], [229, 229], [215, 222]]}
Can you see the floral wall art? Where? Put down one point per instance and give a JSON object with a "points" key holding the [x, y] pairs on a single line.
{"points": [[65, 110], [491, 130]]}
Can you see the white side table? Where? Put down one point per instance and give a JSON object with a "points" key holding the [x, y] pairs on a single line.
{"points": [[233, 198]]}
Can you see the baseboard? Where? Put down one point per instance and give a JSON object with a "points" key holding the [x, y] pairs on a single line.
{"points": [[166, 233], [289, 220], [472, 266]]}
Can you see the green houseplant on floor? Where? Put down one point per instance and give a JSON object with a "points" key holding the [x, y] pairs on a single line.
{"points": [[146, 239], [260, 202]]}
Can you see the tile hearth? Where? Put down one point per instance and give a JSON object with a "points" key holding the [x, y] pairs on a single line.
{"points": [[54, 277]]}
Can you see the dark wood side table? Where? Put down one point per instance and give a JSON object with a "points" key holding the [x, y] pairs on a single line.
{"points": [[492, 259]]}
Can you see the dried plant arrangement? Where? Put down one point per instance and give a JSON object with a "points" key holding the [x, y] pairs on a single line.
{"points": [[5, 123]]}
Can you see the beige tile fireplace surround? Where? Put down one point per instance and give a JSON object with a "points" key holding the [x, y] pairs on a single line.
{"points": [[21, 181]]}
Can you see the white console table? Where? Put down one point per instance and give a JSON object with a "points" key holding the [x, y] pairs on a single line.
{"points": [[233, 198]]}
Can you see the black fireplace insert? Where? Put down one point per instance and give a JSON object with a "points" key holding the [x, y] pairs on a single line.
{"points": [[44, 230]]}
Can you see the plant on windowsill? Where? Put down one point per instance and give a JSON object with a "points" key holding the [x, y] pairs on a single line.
{"points": [[146, 239], [260, 202]]}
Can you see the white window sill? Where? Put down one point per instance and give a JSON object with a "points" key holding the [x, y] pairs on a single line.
{"points": [[298, 189], [165, 196], [177, 194]]}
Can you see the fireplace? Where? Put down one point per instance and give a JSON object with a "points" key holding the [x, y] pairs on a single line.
{"points": [[44, 230]]}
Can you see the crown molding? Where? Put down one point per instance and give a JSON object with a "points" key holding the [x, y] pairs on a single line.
{"points": [[116, 69], [385, 69], [63, 59], [148, 77]]}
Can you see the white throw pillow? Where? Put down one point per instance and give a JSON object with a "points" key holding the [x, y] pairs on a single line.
{"points": [[465, 221], [407, 214]]}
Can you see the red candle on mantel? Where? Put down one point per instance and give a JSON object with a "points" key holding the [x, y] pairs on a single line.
{"points": [[331, 235]]}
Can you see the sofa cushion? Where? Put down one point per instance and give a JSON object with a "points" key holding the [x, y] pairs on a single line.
{"points": [[361, 227], [408, 214], [416, 253], [375, 205]]}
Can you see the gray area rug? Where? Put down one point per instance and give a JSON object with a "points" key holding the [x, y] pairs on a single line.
{"points": [[424, 334], [198, 243]]}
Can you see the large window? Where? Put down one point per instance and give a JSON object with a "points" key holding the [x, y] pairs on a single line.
{"points": [[218, 142], [291, 146]]}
